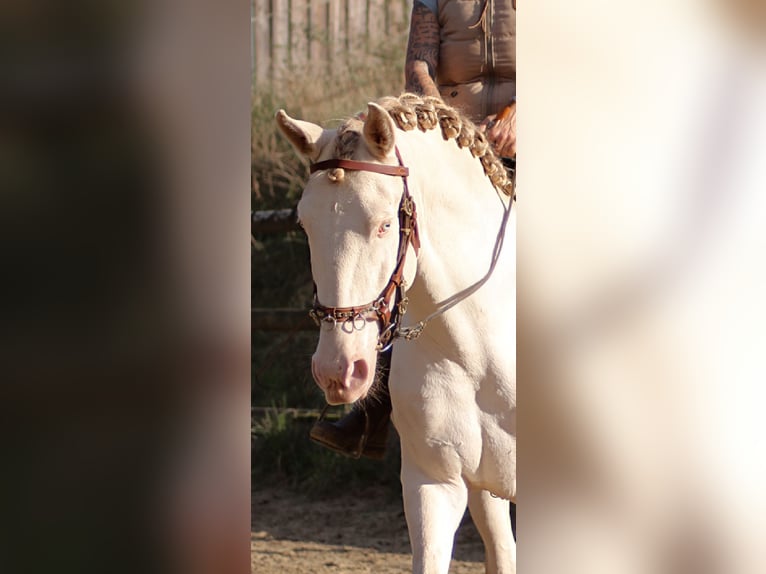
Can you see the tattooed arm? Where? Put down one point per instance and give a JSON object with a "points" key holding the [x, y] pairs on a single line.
{"points": [[422, 52]]}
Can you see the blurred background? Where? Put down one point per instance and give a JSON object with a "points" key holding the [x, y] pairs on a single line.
{"points": [[641, 281], [124, 345]]}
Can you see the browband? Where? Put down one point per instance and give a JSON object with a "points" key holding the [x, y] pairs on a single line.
{"points": [[354, 165]]}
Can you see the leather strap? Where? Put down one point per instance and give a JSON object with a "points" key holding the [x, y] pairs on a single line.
{"points": [[354, 165], [392, 302]]}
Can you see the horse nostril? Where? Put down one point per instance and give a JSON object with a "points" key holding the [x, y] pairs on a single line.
{"points": [[360, 370]]}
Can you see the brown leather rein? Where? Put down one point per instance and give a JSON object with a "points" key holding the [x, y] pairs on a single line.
{"points": [[391, 305]]}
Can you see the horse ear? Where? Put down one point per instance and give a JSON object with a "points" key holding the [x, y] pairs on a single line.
{"points": [[379, 131], [303, 135]]}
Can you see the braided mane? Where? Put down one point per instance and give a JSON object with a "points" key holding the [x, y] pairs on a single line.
{"points": [[410, 111]]}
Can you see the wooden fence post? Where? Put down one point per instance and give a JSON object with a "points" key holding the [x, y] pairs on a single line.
{"points": [[290, 33], [317, 33], [299, 32], [274, 221], [335, 35], [376, 22], [261, 42], [280, 39], [357, 26]]}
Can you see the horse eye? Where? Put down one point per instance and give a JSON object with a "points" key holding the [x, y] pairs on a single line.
{"points": [[384, 227]]}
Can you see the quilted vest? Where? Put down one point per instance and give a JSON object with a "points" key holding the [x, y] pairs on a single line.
{"points": [[477, 55]]}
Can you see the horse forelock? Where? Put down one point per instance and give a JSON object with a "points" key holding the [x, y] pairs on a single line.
{"points": [[347, 138]]}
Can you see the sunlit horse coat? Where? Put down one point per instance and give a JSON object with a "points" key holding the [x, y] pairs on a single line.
{"points": [[454, 388]]}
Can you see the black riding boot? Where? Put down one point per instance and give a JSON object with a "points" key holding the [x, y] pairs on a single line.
{"points": [[363, 431]]}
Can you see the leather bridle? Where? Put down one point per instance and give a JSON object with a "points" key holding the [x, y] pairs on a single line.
{"points": [[391, 305]]}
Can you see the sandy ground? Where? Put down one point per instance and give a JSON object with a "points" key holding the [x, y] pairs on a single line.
{"points": [[352, 534]]}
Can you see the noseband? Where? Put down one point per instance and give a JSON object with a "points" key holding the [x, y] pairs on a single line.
{"points": [[389, 307]]}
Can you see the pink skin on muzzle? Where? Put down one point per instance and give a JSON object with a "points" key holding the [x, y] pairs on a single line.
{"points": [[343, 364], [342, 380]]}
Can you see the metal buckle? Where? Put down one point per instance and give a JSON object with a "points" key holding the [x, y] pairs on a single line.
{"points": [[386, 339], [411, 333], [407, 205], [402, 305]]}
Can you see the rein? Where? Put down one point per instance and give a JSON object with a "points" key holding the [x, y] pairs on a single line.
{"points": [[381, 309]]}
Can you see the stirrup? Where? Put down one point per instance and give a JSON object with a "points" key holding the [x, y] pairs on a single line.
{"points": [[355, 453]]}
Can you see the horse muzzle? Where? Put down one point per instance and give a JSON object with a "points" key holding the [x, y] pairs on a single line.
{"points": [[342, 380]]}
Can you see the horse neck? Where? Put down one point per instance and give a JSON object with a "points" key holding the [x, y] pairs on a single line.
{"points": [[459, 216]]}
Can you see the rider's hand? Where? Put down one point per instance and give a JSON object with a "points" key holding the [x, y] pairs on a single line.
{"points": [[501, 131]]}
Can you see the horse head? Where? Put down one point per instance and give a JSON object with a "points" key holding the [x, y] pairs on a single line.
{"points": [[351, 213]]}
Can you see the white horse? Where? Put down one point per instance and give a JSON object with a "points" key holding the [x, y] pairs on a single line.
{"points": [[453, 388]]}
